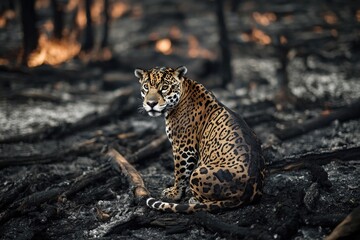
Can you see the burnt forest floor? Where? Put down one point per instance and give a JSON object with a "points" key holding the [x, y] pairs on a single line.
{"points": [[56, 181]]}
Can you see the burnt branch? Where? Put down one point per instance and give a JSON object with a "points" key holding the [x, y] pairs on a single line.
{"points": [[83, 148], [117, 107], [214, 224], [22, 206], [84, 181], [151, 149], [344, 114], [320, 157], [132, 174]]}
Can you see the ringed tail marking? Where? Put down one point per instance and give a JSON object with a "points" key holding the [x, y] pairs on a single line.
{"points": [[191, 207]]}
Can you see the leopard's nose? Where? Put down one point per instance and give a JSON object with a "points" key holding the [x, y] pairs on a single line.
{"points": [[152, 103]]}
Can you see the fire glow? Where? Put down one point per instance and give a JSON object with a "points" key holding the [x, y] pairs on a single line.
{"points": [[256, 35], [164, 46], [53, 52], [195, 50], [264, 18]]}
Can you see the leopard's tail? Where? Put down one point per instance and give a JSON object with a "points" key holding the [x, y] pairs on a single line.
{"points": [[192, 207]]}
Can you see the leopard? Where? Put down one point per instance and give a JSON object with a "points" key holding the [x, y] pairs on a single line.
{"points": [[216, 154]]}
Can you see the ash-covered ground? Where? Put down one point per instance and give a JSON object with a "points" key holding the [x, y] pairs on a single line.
{"points": [[305, 201]]}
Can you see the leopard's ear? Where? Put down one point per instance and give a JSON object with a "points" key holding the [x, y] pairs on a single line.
{"points": [[181, 71], [139, 73]]}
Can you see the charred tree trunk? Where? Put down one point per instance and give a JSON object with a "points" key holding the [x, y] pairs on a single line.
{"points": [[284, 95], [30, 32], [88, 43], [6, 4], [235, 5], [58, 17], [104, 42], [226, 72]]}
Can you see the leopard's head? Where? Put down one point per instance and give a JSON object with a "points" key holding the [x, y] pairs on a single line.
{"points": [[160, 88]]}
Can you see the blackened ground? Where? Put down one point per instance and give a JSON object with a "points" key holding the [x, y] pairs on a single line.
{"points": [[56, 124]]}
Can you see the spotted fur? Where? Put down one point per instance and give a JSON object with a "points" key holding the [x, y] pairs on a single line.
{"points": [[215, 152]]}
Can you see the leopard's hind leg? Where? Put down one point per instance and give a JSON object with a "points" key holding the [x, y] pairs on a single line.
{"points": [[209, 183]]}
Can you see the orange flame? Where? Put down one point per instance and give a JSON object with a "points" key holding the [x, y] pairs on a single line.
{"points": [[72, 4], [53, 51], [2, 21], [163, 46], [265, 18], [7, 15], [81, 18], [358, 15], [256, 35], [118, 9], [4, 61], [42, 4], [195, 50]]}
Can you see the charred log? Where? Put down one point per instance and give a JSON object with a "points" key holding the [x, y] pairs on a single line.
{"points": [[214, 224], [345, 114], [320, 157], [132, 174], [116, 109]]}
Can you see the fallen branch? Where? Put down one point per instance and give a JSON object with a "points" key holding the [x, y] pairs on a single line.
{"points": [[116, 108], [214, 224], [41, 96], [134, 177], [347, 113], [321, 157], [258, 118], [14, 192], [84, 181], [152, 148], [22, 206], [57, 156]]}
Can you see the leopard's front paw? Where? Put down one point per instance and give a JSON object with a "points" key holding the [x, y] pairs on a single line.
{"points": [[171, 193]]}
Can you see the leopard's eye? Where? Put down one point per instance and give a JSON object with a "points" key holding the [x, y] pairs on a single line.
{"points": [[164, 87], [146, 87]]}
